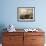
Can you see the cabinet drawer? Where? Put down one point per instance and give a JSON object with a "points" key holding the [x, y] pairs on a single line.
{"points": [[27, 41], [37, 39], [12, 44], [12, 39], [37, 44], [13, 33], [34, 33], [8, 44]]}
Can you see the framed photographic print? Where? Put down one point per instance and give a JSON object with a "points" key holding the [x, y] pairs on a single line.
{"points": [[26, 14]]}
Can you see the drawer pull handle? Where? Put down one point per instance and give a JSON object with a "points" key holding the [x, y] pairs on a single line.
{"points": [[33, 39], [10, 38]]}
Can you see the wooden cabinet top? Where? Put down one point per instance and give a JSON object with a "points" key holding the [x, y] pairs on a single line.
{"points": [[23, 33]]}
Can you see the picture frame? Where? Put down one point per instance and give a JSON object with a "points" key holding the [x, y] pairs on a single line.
{"points": [[26, 14]]}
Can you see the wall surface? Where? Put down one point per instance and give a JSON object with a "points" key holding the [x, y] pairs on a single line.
{"points": [[8, 13]]}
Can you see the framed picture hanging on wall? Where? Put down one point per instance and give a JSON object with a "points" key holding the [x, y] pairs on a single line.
{"points": [[26, 14]]}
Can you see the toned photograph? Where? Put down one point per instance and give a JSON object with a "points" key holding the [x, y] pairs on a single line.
{"points": [[25, 14]]}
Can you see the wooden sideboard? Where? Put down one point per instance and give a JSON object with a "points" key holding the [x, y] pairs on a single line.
{"points": [[23, 38]]}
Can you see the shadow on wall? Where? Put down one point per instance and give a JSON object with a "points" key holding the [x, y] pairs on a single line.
{"points": [[2, 26]]}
